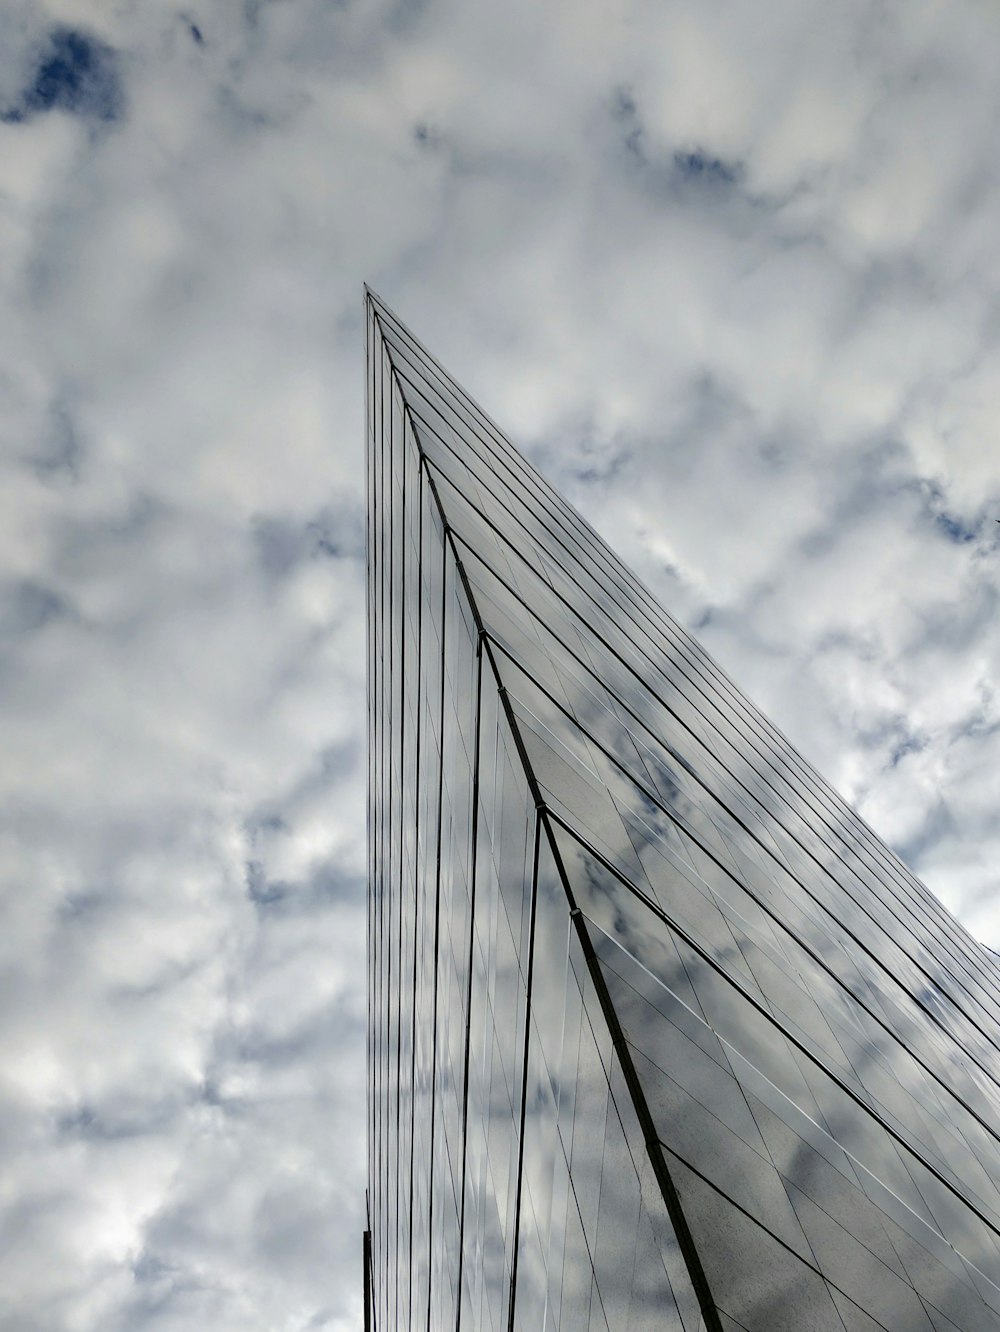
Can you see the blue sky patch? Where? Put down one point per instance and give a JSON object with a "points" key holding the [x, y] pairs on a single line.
{"points": [[953, 529], [695, 165], [76, 73]]}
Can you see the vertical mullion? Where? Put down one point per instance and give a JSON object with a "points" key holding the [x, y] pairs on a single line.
{"points": [[417, 878], [399, 617], [370, 692], [384, 867], [437, 921]]}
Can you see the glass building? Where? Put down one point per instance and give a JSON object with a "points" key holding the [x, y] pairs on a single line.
{"points": [[661, 1034]]}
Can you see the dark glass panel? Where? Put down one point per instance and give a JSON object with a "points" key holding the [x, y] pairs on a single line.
{"points": [[751, 1274], [854, 1269], [856, 1320]]}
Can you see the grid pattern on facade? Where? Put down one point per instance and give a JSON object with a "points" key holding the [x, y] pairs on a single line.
{"points": [[661, 1035]]}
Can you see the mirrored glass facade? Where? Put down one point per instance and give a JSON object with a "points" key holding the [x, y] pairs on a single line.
{"points": [[661, 1035]]}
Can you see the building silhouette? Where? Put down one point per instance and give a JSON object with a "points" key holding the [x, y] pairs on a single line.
{"points": [[661, 1034]]}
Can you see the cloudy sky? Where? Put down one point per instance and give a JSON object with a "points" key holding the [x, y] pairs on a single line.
{"points": [[729, 273]]}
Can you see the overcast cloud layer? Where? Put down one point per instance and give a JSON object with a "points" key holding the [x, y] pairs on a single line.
{"points": [[729, 273]]}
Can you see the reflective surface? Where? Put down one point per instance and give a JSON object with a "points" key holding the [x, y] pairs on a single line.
{"points": [[661, 1035]]}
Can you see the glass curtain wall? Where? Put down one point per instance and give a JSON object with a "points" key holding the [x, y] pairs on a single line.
{"points": [[660, 1034]]}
